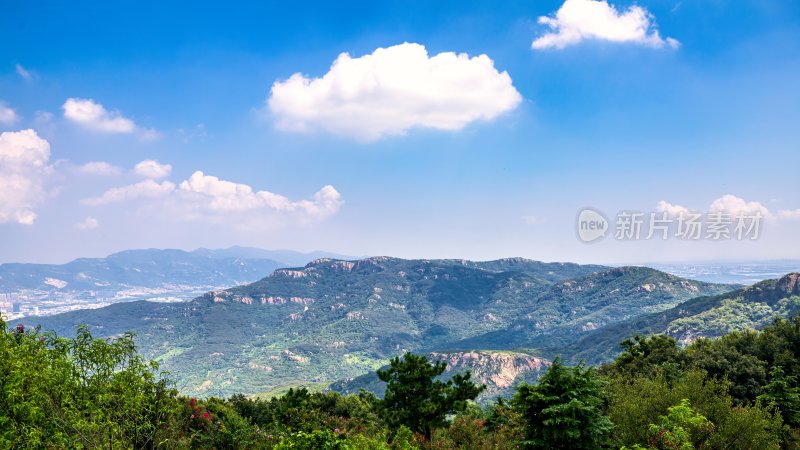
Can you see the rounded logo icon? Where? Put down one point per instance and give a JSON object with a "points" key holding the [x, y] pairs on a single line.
{"points": [[592, 225]]}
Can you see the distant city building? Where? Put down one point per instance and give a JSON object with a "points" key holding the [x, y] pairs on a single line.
{"points": [[16, 307]]}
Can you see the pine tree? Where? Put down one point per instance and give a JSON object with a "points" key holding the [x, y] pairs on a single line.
{"points": [[416, 399], [564, 411]]}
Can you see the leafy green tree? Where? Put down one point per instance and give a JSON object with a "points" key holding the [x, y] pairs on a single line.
{"points": [[80, 393], [751, 428], [503, 425], [564, 411], [300, 410], [636, 401], [779, 345], [783, 392], [682, 428], [647, 355], [416, 399], [317, 440], [215, 423], [725, 359], [744, 428]]}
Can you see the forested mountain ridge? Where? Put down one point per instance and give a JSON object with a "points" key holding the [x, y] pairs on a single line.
{"points": [[336, 319], [567, 310], [751, 307]]}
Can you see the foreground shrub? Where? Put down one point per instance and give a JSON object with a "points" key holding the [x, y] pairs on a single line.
{"points": [[80, 393]]}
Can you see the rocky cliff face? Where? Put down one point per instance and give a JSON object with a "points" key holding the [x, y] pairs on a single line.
{"points": [[499, 371]]}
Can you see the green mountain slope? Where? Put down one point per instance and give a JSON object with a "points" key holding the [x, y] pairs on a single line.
{"points": [[564, 311], [335, 319], [752, 307]]}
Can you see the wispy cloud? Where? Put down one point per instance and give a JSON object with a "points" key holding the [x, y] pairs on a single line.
{"points": [[89, 223], [101, 168], [26, 74], [7, 115], [789, 213], [532, 220], [143, 189]]}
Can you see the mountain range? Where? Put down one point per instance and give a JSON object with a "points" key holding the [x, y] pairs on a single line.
{"points": [[751, 307], [136, 274], [334, 321], [152, 268]]}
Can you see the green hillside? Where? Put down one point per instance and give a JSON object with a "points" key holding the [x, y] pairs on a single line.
{"points": [[336, 320], [748, 308]]}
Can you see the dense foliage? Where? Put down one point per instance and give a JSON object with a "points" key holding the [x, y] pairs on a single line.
{"points": [[739, 391], [79, 393]]}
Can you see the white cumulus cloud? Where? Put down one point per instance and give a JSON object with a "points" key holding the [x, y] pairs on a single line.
{"points": [[150, 168], [207, 198], [393, 90], [92, 115], [7, 115], [23, 169], [670, 209], [101, 168], [206, 195], [88, 223], [733, 205], [142, 189], [727, 204], [580, 20]]}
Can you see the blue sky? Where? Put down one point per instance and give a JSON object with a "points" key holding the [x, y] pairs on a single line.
{"points": [[464, 160]]}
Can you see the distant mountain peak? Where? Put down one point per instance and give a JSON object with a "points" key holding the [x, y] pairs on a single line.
{"points": [[517, 259], [347, 265], [318, 262]]}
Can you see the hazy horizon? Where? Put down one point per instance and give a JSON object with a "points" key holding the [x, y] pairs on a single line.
{"points": [[345, 255]]}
